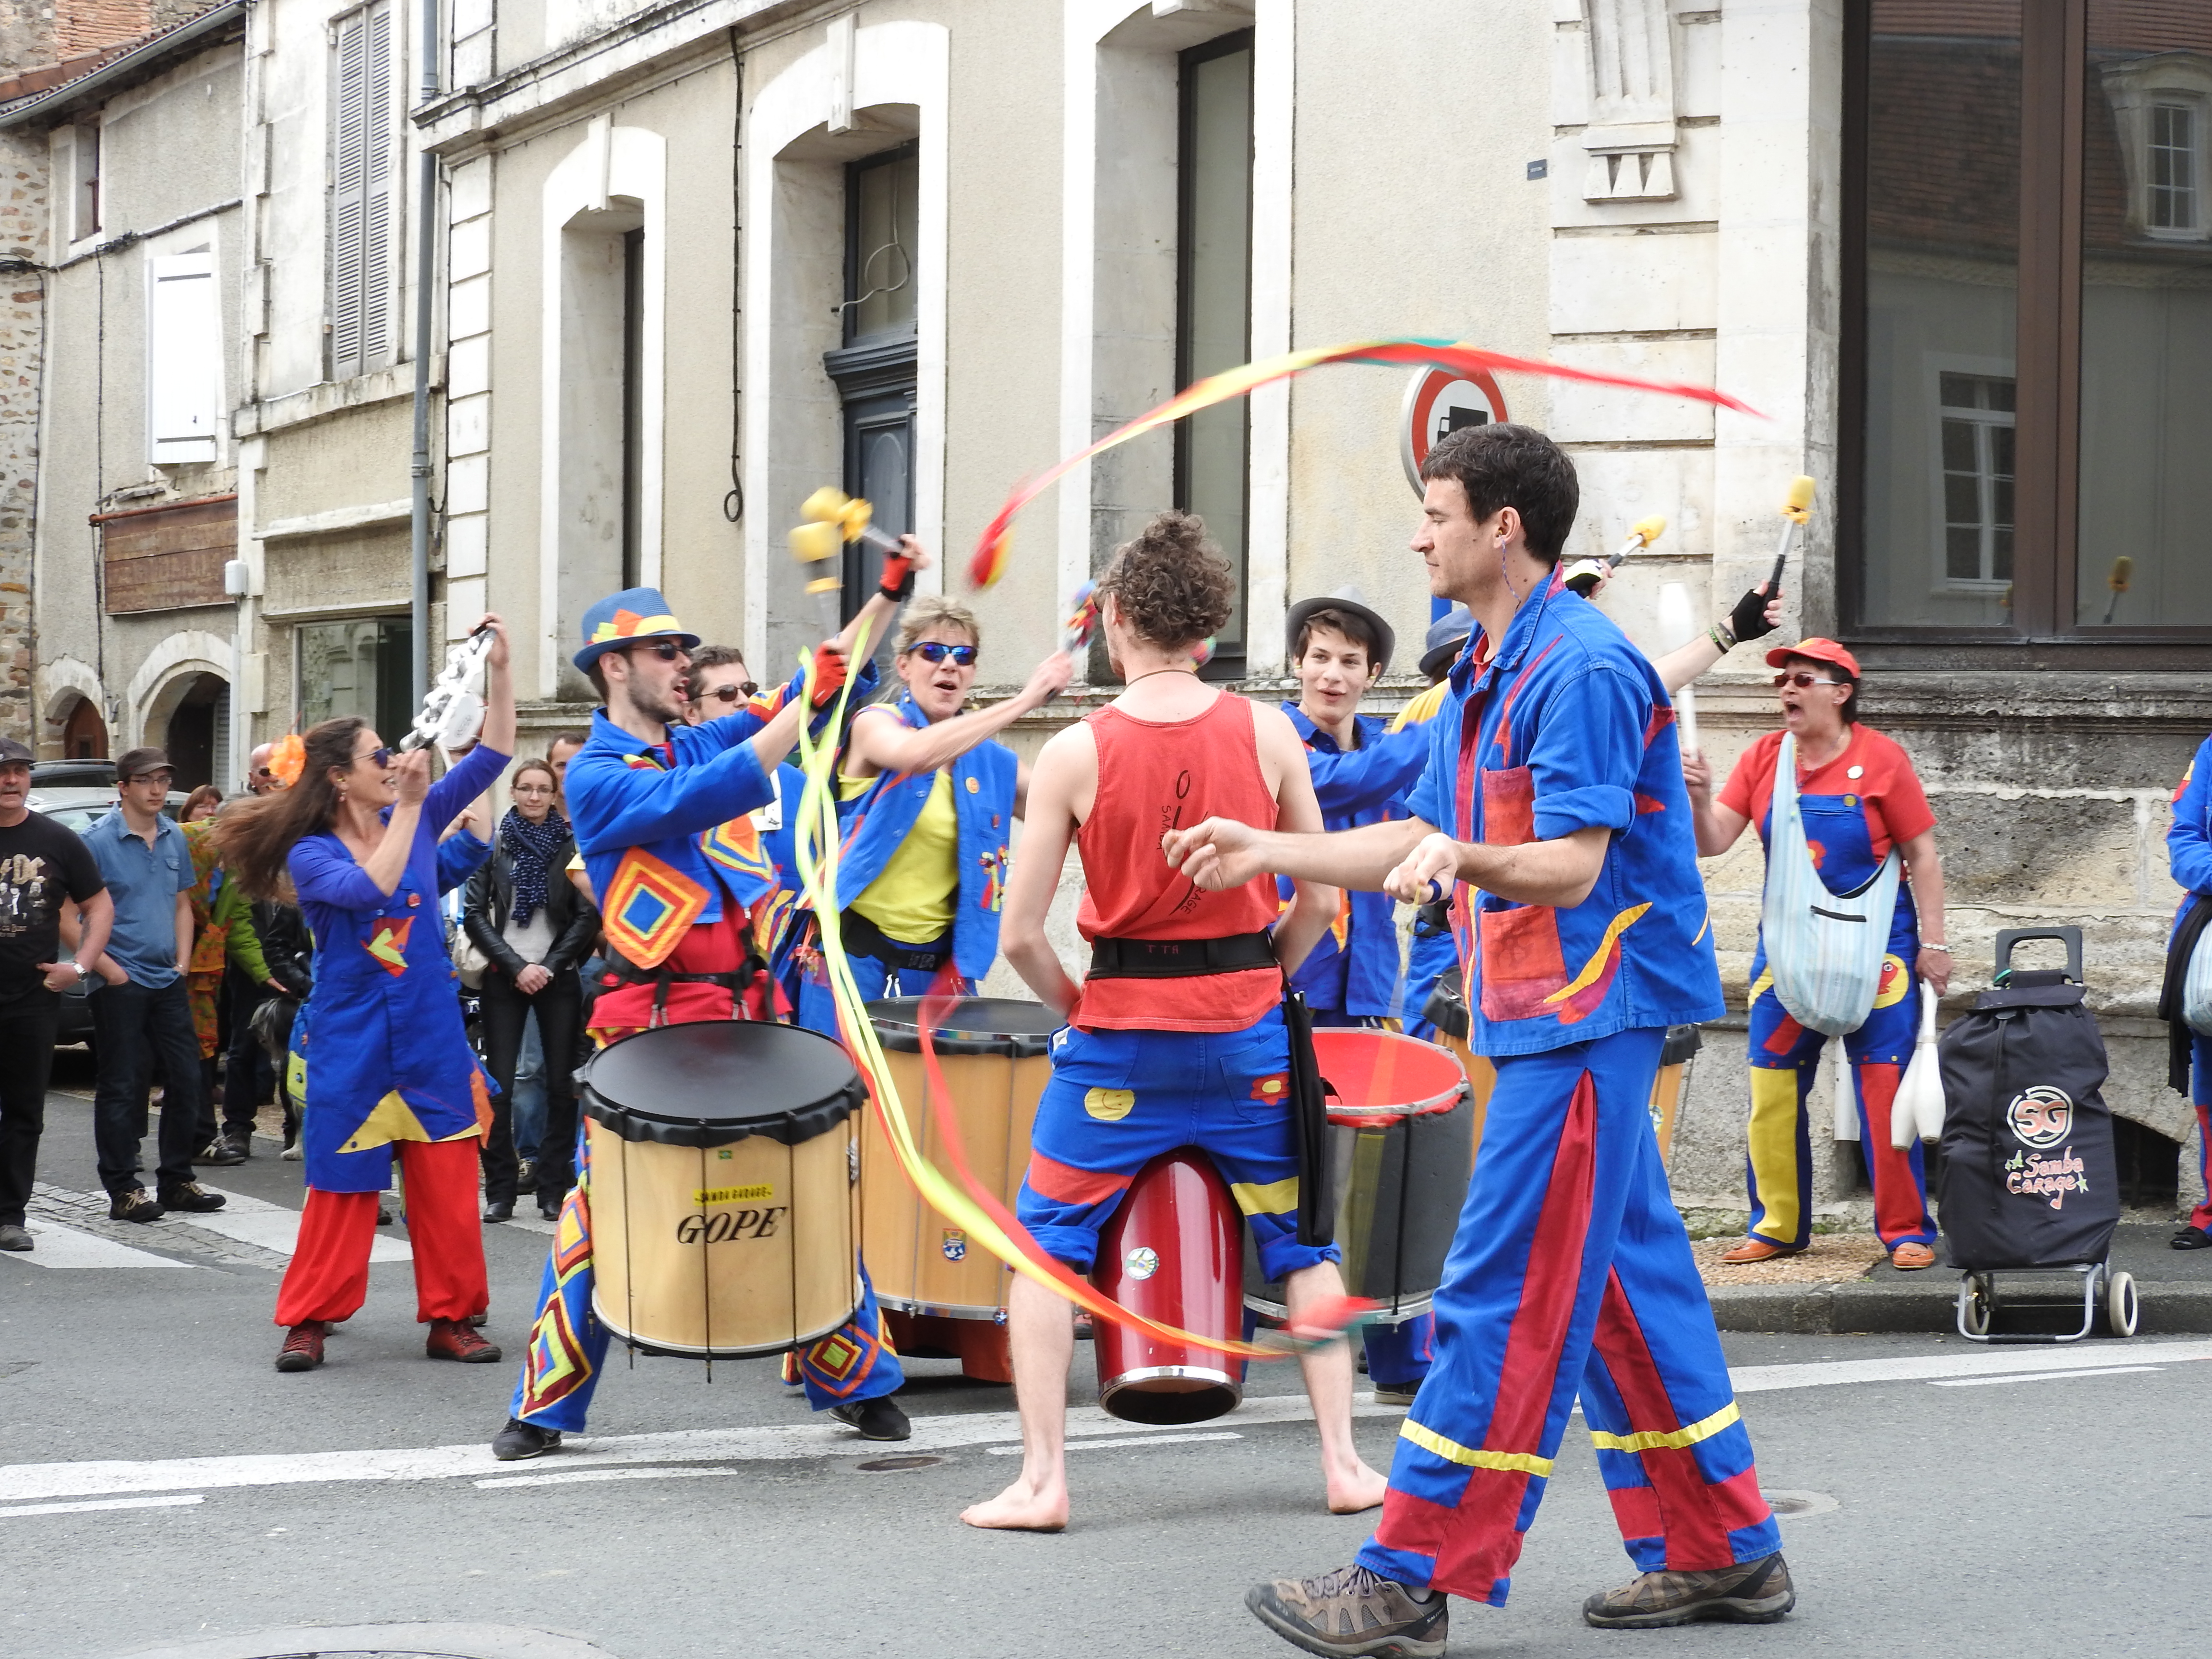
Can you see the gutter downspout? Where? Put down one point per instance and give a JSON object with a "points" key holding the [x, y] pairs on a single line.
{"points": [[426, 269]]}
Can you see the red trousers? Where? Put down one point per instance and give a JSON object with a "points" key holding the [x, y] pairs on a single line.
{"points": [[329, 1275]]}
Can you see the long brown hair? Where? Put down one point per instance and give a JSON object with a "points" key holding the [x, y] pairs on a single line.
{"points": [[255, 837]]}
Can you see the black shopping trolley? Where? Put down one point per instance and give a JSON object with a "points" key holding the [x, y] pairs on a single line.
{"points": [[2029, 1183]]}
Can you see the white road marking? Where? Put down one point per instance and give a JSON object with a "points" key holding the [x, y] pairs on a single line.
{"points": [[22, 1482], [1094, 1445], [575, 1475], [64, 1247], [106, 1504], [252, 1220], [2040, 1377]]}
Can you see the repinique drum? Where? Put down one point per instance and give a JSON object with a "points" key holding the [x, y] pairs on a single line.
{"points": [[1173, 1252], [724, 1217], [1401, 1138], [995, 1053]]}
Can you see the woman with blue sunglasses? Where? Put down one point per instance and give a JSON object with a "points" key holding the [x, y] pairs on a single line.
{"points": [[931, 798]]}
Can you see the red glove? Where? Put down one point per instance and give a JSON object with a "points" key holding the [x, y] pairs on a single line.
{"points": [[898, 577], [829, 671]]}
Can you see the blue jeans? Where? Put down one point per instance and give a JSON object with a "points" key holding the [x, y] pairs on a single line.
{"points": [[529, 1089]]}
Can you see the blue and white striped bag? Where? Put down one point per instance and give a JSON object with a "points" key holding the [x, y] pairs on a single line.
{"points": [[1823, 949]]}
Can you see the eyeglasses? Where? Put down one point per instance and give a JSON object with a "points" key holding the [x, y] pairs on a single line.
{"points": [[381, 756], [1802, 680], [727, 694], [938, 651], [666, 650], [163, 778]]}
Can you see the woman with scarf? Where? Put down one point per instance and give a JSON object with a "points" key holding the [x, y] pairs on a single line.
{"points": [[931, 804], [534, 928]]}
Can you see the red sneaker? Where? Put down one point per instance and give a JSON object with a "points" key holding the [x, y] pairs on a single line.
{"points": [[303, 1347], [455, 1339]]}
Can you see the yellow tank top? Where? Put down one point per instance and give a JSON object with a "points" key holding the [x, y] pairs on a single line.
{"points": [[912, 900]]}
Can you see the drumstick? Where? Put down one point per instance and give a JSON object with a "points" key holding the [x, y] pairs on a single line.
{"points": [[1678, 625], [1584, 577], [833, 519], [1082, 623], [2124, 567], [1796, 512]]}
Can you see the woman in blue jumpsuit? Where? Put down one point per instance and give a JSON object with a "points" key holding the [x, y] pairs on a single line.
{"points": [[380, 1057]]}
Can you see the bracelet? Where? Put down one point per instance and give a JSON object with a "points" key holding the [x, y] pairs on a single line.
{"points": [[1719, 635], [1945, 949]]}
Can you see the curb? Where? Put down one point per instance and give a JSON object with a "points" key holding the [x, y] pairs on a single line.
{"points": [[2171, 1308]]}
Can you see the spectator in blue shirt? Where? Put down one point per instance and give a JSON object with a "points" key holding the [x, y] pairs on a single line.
{"points": [[140, 1012]]}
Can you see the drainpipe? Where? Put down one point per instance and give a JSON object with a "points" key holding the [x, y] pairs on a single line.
{"points": [[426, 269]]}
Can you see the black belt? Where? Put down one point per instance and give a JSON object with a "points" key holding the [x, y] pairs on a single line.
{"points": [[1180, 958], [863, 939], [620, 970]]}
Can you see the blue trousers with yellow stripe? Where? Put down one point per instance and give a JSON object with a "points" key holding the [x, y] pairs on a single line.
{"points": [[1571, 1272], [1785, 1059], [568, 1350]]}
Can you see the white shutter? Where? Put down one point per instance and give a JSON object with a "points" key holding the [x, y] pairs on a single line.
{"points": [[183, 366], [361, 179]]}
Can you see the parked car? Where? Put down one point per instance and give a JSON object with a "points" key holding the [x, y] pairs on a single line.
{"points": [[79, 807], [72, 774]]}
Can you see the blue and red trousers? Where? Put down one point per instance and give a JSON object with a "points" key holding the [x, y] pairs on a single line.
{"points": [[1570, 1273]]}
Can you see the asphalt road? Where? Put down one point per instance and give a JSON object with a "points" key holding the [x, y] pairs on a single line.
{"points": [[2022, 1502]]}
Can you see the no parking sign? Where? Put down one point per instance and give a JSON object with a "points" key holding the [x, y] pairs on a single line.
{"points": [[1439, 403]]}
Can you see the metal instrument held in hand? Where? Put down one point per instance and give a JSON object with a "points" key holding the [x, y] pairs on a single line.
{"points": [[454, 708]]}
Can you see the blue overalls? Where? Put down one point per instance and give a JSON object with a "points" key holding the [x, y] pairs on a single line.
{"points": [[874, 824], [1571, 1272], [2189, 856], [1786, 1059]]}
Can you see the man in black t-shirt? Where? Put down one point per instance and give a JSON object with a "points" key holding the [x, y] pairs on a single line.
{"points": [[44, 870]]}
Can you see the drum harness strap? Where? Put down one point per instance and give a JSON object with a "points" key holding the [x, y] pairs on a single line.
{"points": [[863, 939], [620, 970], [1181, 959]]}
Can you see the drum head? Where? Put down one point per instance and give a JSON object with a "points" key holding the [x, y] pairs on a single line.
{"points": [[971, 1025], [720, 1081], [1384, 1074]]}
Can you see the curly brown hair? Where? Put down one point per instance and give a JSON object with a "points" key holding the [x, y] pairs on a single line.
{"points": [[1171, 584]]}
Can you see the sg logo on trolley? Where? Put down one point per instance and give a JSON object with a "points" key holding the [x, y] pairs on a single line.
{"points": [[2041, 1117]]}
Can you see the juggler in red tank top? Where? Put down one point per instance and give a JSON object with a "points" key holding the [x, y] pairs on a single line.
{"points": [[1155, 776]]}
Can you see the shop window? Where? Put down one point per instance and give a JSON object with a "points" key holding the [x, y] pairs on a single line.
{"points": [[2029, 303], [360, 667]]}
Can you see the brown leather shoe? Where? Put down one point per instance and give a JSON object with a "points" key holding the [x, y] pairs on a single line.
{"points": [[1753, 1593], [455, 1339], [1759, 1249], [303, 1347], [1907, 1257]]}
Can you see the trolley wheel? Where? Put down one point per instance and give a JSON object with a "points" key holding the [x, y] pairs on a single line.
{"points": [[1978, 1305], [2121, 1308]]}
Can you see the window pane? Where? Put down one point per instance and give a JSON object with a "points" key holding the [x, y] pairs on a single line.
{"points": [[360, 667], [1942, 207], [2146, 493], [1217, 302], [885, 221]]}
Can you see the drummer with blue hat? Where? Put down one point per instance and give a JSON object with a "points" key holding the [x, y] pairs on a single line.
{"points": [[660, 814]]}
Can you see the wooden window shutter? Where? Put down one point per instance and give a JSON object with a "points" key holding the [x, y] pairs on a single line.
{"points": [[362, 175], [183, 365]]}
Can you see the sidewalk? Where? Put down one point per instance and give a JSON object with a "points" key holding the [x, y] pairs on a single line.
{"points": [[2174, 1286]]}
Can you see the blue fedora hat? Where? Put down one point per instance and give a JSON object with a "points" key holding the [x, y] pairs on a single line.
{"points": [[620, 619]]}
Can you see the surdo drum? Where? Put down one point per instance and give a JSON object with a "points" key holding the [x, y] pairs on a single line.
{"points": [[1402, 1139], [724, 1217], [1173, 1252]]}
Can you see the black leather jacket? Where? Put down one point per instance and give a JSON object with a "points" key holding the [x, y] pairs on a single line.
{"points": [[286, 945], [488, 900]]}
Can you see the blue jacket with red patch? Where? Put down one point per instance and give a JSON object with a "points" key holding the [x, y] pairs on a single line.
{"points": [[1565, 726]]}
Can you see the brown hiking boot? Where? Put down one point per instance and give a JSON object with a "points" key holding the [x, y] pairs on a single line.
{"points": [[1352, 1611], [456, 1339], [1750, 1593], [303, 1347]]}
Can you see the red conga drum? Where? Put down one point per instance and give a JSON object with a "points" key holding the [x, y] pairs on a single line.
{"points": [[1173, 1252]]}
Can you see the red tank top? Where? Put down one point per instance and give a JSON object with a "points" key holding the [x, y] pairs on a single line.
{"points": [[1155, 776]]}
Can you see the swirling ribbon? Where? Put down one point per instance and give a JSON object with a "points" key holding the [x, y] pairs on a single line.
{"points": [[989, 561]]}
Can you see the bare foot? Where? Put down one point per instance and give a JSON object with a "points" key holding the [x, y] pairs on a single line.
{"points": [[1357, 1489], [1023, 1508]]}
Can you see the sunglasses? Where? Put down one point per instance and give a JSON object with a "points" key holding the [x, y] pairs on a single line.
{"points": [[381, 756], [938, 651], [1802, 680], [666, 650], [727, 694]]}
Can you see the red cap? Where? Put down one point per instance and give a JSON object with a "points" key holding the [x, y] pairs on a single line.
{"points": [[1819, 651]]}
